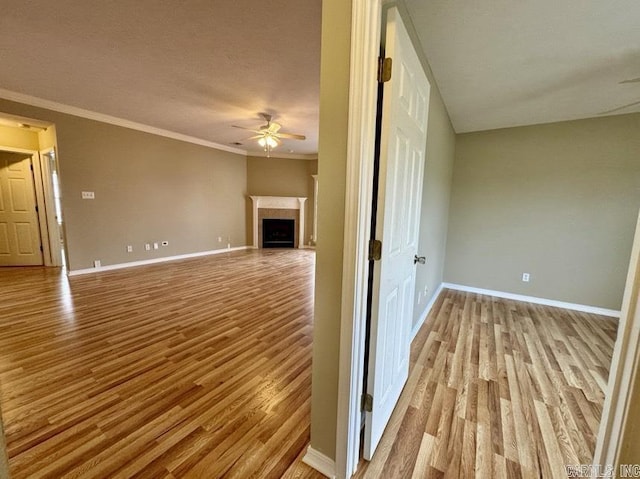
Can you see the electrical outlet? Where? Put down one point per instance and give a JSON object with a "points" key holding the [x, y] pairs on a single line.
{"points": [[155, 246], [129, 249], [88, 195], [97, 263], [219, 239], [525, 277], [147, 247]]}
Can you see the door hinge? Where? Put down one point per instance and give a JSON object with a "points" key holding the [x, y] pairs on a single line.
{"points": [[36, 208], [367, 402], [41, 249], [31, 166], [375, 250], [384, 69]]}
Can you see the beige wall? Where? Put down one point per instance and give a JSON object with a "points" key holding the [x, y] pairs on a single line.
{"points": [[332, 160], [283, 177], [19, 138], [558, 201], [148, 189], [47, 138]]}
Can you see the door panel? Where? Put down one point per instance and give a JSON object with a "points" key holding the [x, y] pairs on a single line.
{"points": [[19, 227], [402, 153]]}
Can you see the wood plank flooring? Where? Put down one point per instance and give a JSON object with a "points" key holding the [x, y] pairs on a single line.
{"points": [[498, 389], [198, 368], [201, 368]]}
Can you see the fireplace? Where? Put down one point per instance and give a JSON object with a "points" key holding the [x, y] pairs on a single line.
{"points": [[278, 207], [278, 233]]}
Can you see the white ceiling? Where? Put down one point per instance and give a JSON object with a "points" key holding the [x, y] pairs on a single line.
{"points": [[502, 63], [199, 69], [193, 68]]}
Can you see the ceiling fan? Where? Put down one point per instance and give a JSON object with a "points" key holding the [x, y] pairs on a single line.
{"points": [[269, 136]]}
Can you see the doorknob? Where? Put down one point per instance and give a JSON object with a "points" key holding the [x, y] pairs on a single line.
{"points": [[419, 259]]}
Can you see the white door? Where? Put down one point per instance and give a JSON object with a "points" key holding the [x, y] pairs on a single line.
{"points": [[402, 152], [19, 227]]}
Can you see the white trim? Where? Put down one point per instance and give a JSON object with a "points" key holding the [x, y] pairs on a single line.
{"points": [[112, 120], [132, 264], [53, 229], [366, 19], [56, 235], [278, 203], [624, 367], [427, 310], [320, 462], [534, 299], [41, 191], [314, 236], [284, 156]]}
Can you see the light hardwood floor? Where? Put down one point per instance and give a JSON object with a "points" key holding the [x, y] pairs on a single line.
{"points": [[199, 368], [498, 389], [202, 369]]}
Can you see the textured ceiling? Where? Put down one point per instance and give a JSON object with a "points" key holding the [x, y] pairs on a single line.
{"points": [[199, 68], [500, 63], [194, 67]]}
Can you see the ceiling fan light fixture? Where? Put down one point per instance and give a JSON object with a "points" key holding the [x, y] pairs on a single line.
{"points": [[267, 141], [271, 141]]}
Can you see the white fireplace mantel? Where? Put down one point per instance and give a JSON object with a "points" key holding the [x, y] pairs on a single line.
{"points": [[278, 203]]}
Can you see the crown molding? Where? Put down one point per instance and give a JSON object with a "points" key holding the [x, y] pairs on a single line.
{"points": [[112, 120], [283, 156]]}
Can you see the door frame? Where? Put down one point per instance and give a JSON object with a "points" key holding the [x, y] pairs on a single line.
{"points": [[625, 366], [45, 214], [366, 22], [55, 230]]}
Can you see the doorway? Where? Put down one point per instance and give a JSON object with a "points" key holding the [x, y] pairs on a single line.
{"points": [[20, 238], [31, 226]]}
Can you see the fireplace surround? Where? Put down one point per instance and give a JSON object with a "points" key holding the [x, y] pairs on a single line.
{"points": [[278, 207]]}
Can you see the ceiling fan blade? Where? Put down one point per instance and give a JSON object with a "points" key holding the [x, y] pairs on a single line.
{"points": [[619, 108], [632, 80], [292, 136], [255, 137], [244, 128], [274, 127]]}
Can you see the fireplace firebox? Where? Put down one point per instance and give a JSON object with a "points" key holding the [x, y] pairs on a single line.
{"points": [[278, 233]]}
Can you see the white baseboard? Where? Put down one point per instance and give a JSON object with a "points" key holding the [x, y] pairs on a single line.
{"points": [[533, 299], [320, 462], [425, 313], [110, 267]]}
